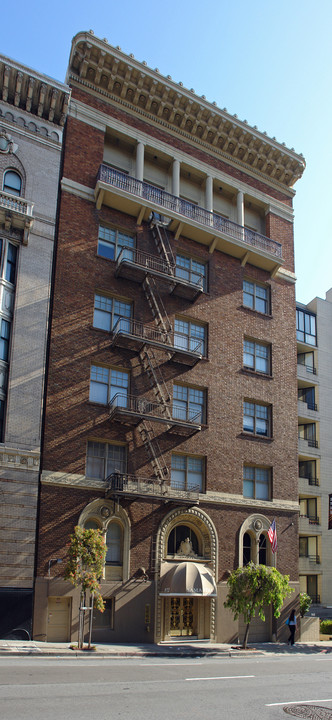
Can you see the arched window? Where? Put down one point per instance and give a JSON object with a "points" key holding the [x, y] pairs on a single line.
{"points": [[91, 525], [114, 544], [182, 541], [12, 182], [246, 548]]}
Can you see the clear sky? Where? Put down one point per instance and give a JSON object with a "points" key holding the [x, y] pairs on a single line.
{"points": [[267, 61]]}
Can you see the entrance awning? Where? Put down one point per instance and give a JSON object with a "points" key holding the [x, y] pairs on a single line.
{"points": [[187, 579]]}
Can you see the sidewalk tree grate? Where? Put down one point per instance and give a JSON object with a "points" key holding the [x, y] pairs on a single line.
{"points": [[314, 712]]}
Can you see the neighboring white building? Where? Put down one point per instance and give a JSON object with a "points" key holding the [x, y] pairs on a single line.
{"points": [[314, 337], [33, 108]]}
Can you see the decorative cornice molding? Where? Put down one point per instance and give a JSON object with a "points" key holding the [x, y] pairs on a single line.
{"points": [[267, 505], [18, 459], [75, 188], [121, 79]]}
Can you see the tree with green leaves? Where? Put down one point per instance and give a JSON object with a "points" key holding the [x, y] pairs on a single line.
{"points": [[86, 560], [305, 603], [253, 587]]}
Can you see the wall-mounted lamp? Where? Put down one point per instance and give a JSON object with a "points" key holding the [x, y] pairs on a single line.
{"points": [[53, 561]]}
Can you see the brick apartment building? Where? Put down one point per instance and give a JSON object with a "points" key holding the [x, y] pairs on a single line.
{"points": [[32, 115], [171, 406]]}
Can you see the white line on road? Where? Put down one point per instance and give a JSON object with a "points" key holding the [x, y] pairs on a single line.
{"points": [[222, 677], [298, 702]]}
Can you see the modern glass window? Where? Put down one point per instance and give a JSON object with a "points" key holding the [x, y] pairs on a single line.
{"points": [[192, 271], [111, 242], [308, 470], [104, 459], [256, 297], [187, 472], [114, 543], [257, 419], [308, 361], [12, 182], [256, 356], [308, 509], [4, 339], [108, 311], [306, 327], [190, 336], [307, 431], [256, 482], [307, 395], [188, 404], [106, 383]]}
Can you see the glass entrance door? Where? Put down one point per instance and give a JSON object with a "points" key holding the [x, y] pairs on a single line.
{"points": [[183, 617]]}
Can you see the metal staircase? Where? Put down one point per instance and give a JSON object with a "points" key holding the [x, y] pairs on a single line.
{"points": [[161, 238], [157, 307], [153, 450], [150, 366]]}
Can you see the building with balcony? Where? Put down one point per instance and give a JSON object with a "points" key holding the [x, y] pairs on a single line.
{"points": [[171, 407], [314, 331], [32, 116]]}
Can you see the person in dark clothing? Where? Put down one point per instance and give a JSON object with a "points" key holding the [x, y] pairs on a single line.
{"points": [[292, 627]]}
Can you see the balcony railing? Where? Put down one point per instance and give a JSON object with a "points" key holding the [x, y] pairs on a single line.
{"points": [[310, 443], [309, 368], [313, 519], [134, 264], [132, 409], [315, 599], [309, 405], [125, 484], [174, 204], [15, 204], [311, 480], [312, 558], [138, 331]]}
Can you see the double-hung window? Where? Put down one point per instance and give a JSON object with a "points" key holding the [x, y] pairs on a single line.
{"points": [[256, 482], [256, 356], [190, 336], [187, 472], [256, 297], [109, 311], [192, 271], [257, 419], [188, 404], [111, 242], [108, 384], [103, 459]]}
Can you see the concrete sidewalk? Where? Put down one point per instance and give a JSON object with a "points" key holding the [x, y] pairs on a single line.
{"points": [[190, 649]]}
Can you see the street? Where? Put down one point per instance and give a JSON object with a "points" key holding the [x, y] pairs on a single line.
{"points": [[158, 688]]}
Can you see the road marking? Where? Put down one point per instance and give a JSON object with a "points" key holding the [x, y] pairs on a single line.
{"points": [[298, 702], [222, 677]]}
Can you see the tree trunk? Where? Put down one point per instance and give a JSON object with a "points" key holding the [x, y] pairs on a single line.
{"points": [[245, 639]]}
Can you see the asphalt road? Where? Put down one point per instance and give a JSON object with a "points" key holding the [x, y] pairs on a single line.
{"points": [[156, 688]]}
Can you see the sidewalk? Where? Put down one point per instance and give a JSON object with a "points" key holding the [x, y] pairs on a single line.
{"points": [[166, 650]]}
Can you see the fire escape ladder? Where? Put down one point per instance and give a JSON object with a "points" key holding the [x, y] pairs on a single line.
{"points": [[161, 238], [153, 451], [157, 307], [150, 366]]}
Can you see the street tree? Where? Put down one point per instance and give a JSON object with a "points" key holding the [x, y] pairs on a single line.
{"points": [[84, 569], [253, 587]]}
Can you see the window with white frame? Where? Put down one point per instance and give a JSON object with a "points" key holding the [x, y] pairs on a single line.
{"points": [[104, 459], [189, 404], [256, 296], [187, 472], [107, 384], [191, 270], [190, 336], [111, 242], [257, 418], [256, 356], [108, 311], [256, 482]]}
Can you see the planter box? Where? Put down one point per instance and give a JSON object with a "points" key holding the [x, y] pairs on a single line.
{"points": [[309, 629]]}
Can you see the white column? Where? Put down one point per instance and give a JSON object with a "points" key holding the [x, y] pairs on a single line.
{"points": [[176, 178], [240, 208], [209, 193], [139, 161]]}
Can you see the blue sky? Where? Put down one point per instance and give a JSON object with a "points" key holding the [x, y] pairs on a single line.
{"points": [[269, 62]]}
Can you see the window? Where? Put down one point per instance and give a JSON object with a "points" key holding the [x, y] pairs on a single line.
{"points": [[12, 182], [188, 404], [114, 544], [189, 336], [256, 297], [307, 395], [256, 356], [111, 242], [256, 482], [262, 550], [104, 459], [106, 383], [10, 267], [104, 620], [308, 509], [180, 534], [307, 469], [187, 472], [246, 549], [108, 311], [4, 339], [192, 271], [306, 327], [257, 419], [308, 432], [308, 361]]}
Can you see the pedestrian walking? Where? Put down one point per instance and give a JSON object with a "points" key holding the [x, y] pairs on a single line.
{"points": [[291, 622]]}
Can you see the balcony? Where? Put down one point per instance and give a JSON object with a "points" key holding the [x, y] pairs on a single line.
{"points": [[309, 524], [125, 193], [307, 563], [308, 448], [133, 264], [131, 410], [16, 212], [133, 335], [306, 410], [307, 373], [308, 485], [131, 485]]}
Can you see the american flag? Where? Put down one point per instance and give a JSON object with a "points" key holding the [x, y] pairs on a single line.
{"points": [[272, 534]]}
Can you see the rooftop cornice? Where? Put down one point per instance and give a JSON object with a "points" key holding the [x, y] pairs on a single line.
{"points": [[121, 77], [32, 92]]}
